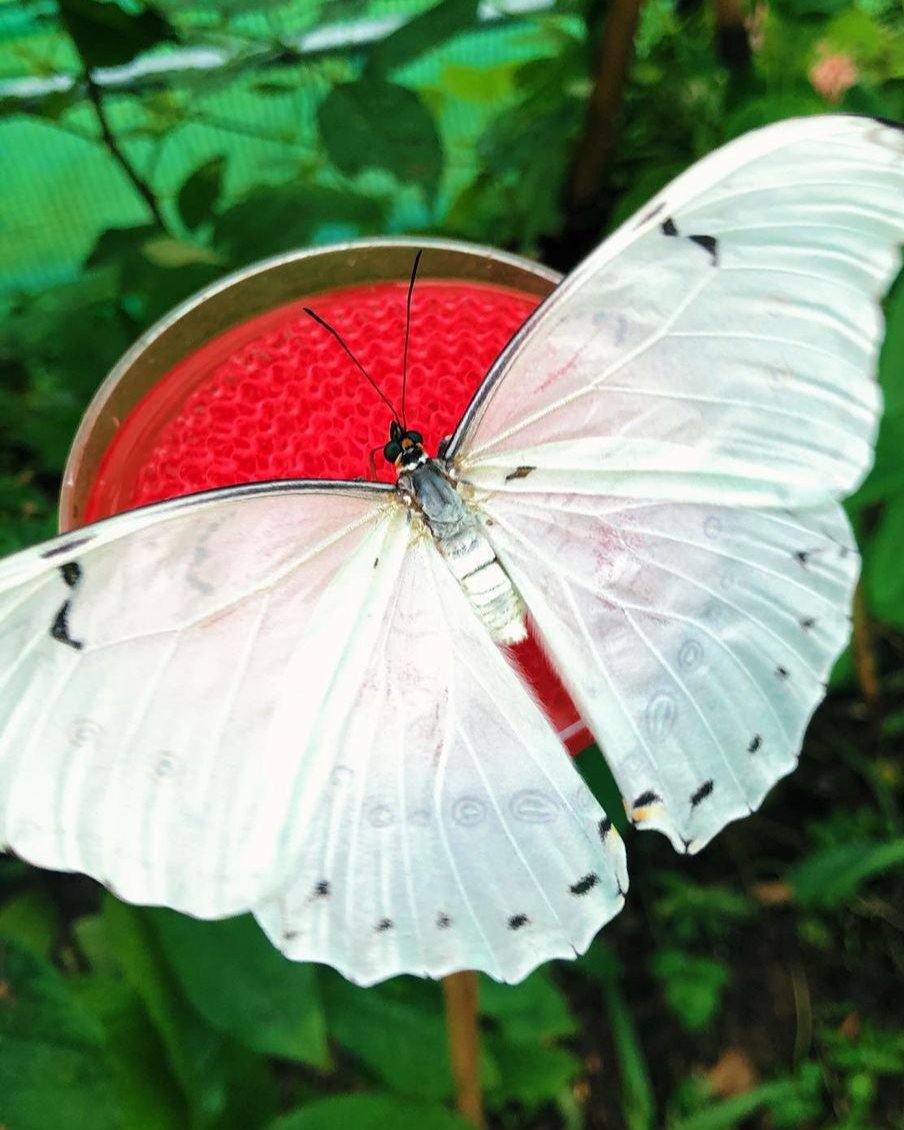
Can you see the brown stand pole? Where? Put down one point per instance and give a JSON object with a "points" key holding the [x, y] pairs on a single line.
{"points": [[460, 993]]}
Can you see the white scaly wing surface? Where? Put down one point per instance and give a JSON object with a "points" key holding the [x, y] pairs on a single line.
{"points": [[721, 345], [658, 453], [695, 640], [280, 699], [159, 749], [453, 831]]}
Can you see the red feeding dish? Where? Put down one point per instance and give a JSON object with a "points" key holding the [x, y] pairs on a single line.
{"points": [[275, 397]]}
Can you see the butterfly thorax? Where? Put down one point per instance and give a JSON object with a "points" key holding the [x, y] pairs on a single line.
{"points": [[428, 489]]}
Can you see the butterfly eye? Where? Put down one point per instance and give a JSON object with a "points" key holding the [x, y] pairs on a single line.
{"points": [[415, 437], [392, 451]]}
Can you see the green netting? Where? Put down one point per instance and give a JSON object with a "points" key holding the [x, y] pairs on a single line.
{"points": [[242, 86]]}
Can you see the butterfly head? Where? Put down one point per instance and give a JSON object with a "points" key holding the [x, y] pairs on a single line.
{"points": [[405, 449]]}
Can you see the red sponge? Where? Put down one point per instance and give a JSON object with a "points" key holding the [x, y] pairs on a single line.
{"points": [[277, 398]]}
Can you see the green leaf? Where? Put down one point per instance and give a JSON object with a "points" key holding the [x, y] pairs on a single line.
{"points": [[835, 874], [796, 1098], [886, 481], [800, 8], [117, 244], [638, 1102], [53, 1069], [200, 192], [530, 1073], [275, 219], [164, 251], [693, 985], [370, 1112], [107, 36], [244, 987], [691, 911], [533, 1010], [415, 1061], [31, 920], [883, 576], [425, 32], [372, 124], [194, 1051], [147, 1092], [878, 1051]]}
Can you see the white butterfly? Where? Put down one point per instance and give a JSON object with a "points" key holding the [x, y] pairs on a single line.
{"points": [[286, 697]]}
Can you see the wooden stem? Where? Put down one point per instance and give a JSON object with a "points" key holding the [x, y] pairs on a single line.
{"points": [[732, 42], [460, 993], [864, 656], [595, 148]]}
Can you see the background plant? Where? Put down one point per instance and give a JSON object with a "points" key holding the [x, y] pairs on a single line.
{"points": [[146, 150]]}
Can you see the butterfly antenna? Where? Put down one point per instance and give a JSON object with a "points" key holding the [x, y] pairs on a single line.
{"points": [[355, 360], [417, 260]]}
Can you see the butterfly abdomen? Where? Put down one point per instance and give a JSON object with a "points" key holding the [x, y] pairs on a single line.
{"points": [[467, 552]]}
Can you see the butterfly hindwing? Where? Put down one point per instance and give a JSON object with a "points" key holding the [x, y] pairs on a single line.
{"points": [[696, 640], [453, 831]]}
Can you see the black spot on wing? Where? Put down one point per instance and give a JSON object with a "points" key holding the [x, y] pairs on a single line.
{"points": [[755, 742], [807, 623], [802, 555], [383, 925], [709, 243], [72, 573], [67, 546], [605, 826], [322, 889], [519, 473], [59, 629], [705, 790], [443, 921], [782, 672], [587, 883], [649, 797], [517, 921]]}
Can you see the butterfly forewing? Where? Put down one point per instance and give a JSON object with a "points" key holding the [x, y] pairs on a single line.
{"points": [[721, 346], [161, 673]]}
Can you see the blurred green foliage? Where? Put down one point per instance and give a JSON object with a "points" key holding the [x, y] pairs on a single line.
{"points": [[751, 987]]}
